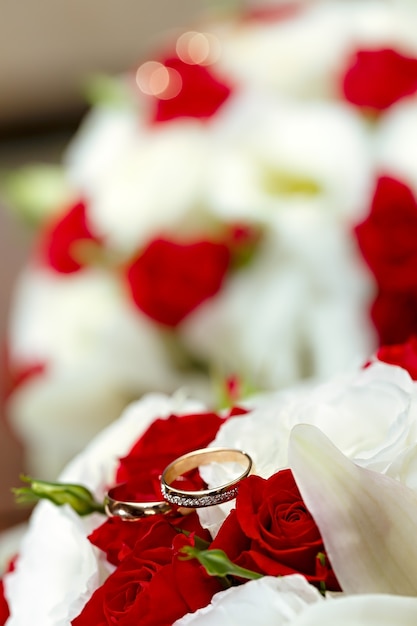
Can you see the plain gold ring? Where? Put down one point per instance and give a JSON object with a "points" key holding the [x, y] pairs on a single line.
{"points": [[130, 511]]}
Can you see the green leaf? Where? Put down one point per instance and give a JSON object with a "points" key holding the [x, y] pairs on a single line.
{"points": [[217, 563], [77, 496]]}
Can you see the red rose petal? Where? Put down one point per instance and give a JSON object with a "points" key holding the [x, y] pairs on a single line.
{"points": [[199, 94], [376, 79], [169, 280], [387, 240], [4, 607], [57, 247]]}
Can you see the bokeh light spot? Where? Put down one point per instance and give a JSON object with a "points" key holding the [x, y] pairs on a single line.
{"points": [[154, 79], [198, 48]]}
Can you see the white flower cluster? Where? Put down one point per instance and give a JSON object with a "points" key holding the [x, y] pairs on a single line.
{"points": [[285, 154]]}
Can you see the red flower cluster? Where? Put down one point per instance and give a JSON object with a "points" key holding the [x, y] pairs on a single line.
{"points": [[146, 552], [152, 585], [270, 532], [167, 279], [387, 239], [376, 79]]}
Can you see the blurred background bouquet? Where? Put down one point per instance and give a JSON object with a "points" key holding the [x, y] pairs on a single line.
{"points": [[237, 213]]}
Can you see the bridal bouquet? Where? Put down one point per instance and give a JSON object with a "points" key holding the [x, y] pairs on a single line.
{"points": [[240, 206], [321, 531]]}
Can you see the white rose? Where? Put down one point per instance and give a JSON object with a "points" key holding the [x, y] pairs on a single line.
{"points": [[299, 309], [370, 415], [104, 136], [155, 184], [277, 156], [99, 353]]}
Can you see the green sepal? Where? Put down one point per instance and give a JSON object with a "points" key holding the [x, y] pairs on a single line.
{"points": [[35, 192], [113, 91], [79, 498], [217, 563]]}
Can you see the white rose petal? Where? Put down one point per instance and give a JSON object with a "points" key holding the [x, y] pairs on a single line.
{"points": [[104, 136], [362, 610], [396, 142], [268, 601], [153, 188], [56, 571]]}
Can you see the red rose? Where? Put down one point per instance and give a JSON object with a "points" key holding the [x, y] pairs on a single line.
{"points": [[151, 586], [117, 538], [117, 600], [4, 607], [271, 531], [199, 94], [387, 237], [169, 280], [404, 355], [162, 443], [377, 78], [59, 240]]}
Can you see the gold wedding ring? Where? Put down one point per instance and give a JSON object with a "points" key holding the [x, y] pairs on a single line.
{"points": [[203, 497], [130, 511]]}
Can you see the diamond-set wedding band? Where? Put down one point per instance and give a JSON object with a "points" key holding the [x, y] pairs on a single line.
{"points": [[203, 497], [175, 497]]}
